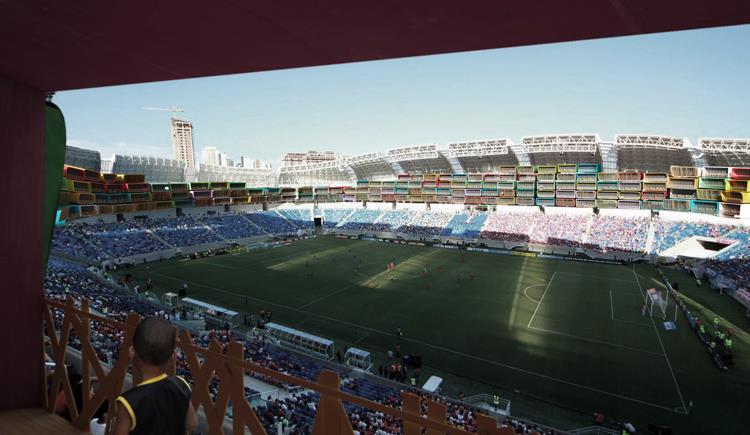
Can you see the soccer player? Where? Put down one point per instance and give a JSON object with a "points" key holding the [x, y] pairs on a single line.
{"points": [[644, 309]]}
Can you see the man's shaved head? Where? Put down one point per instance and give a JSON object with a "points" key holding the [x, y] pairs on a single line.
{"points": [[154, 340]]}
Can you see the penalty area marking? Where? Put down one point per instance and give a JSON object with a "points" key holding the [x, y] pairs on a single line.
{"points": [[656, 331], [540, 300]]}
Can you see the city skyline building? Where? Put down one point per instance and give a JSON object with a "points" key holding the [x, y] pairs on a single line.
{"points": [[183, 146], [210, 156]]}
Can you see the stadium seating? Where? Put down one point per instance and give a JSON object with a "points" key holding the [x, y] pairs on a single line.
{"points": [[667, 233], [300, 217], [427, 223], [117, 239], [619, 233], [509, 226], [272, 223], [362, 219], [333, 217], [465, 225], [180, 231], [71, 240], [561, 229], [392, 220], [231, 226]]}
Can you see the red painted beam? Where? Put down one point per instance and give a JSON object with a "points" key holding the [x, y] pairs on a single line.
{"points": [[56, 45], [21, 230]]}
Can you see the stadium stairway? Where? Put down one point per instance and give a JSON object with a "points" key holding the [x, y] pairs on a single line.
{"points": [[650, 238], [244, 216], [286, 219], [586, 232], [211, 230], [343, 221], [156, 236]]}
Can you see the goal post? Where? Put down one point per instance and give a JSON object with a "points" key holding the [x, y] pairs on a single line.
{"points": [[657, 303]]}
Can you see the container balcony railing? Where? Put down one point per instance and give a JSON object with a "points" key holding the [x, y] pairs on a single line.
{"points": [[207, 364]]}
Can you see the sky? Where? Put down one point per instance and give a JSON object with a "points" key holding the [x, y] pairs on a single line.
{"points": [[692, 83]]}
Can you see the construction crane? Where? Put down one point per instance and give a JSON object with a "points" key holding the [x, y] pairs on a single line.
{"points": [[173, 109]]}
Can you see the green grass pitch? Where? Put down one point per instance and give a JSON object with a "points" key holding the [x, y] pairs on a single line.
{"points": [[560, 339]]}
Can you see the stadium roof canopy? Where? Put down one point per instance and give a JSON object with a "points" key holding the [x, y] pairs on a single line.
{"points": [[55, 45], [725, 152]]}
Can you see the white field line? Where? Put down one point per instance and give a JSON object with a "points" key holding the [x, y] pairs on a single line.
{"points": [[540, 300], [452, 351], [669, 364], [527, 295]]}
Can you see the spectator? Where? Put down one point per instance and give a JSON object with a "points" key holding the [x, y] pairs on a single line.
{"points": [[160, 404]]}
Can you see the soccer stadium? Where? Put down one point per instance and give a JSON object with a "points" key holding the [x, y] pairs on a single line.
{"points": [[403, 276], [458, 273]]}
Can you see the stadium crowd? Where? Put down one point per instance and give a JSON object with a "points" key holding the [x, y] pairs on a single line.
{"points": [[561, 230], [610, 233], [427, 223], [509, 226]]}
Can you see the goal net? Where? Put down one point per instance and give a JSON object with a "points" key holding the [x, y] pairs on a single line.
{"points": [[657, 303]]}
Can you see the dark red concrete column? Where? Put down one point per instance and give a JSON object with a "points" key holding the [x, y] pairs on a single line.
{"points": [[21, 229]]}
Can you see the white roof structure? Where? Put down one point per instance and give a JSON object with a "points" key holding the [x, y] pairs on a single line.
{"points": [[560, 143], [725, 152], [651, 141], [420, 159], [653, 153], [251, 176], [333, 172], [722, 144], [483, 155], [371, 166], [562, 148]]}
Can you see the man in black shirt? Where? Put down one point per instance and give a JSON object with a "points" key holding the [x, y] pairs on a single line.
{"points": [[161, 403]]}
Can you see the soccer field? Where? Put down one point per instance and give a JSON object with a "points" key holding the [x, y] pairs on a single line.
{"points": [[561, 339]]}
